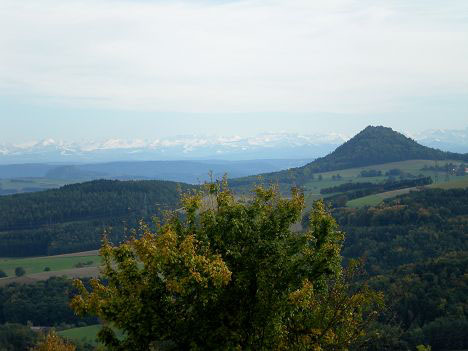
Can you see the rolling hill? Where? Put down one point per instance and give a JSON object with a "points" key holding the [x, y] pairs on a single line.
{"points": [[20, 178], [73, 218]]}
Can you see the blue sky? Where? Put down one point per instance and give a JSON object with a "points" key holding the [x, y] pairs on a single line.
{"points": [[96, 69]]}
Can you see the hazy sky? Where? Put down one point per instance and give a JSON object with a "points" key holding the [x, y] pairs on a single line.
{"points": [[145, 68]]}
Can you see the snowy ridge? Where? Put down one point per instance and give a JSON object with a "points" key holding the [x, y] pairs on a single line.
{"points": [[266, 145]]}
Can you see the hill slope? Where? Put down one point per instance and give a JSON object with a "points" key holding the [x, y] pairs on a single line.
{"points": [[416, 251], [73, 218], [372, 146], [19, 178], [376, 145]]}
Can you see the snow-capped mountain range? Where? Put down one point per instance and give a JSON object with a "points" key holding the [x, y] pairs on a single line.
{"points": [[447, 140], [263, 146], [267, 145]]}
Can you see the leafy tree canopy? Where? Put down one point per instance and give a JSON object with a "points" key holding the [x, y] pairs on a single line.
{"points": [[53, 342], [227, 274]]}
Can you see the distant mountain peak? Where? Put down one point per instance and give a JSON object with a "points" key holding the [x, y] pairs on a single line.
{"points": [[377, 145], [377, 131], [371, 146], [371, 128]]}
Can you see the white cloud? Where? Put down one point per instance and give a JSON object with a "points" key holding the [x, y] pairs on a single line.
{"points": [[353, 56]]}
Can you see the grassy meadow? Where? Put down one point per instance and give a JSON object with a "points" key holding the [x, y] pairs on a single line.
{"points": [[87, 334], [375, 199], [57, 263], [452, 183], [414, 167]]}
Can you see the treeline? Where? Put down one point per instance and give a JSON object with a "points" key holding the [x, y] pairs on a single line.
{"points": [[415, 248], [44, 303], [346, 187], [365, 189], [17, 337], [381, 187], [74, 217]]}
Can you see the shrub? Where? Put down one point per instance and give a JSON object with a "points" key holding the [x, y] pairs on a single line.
{"points": [[19, 271]]}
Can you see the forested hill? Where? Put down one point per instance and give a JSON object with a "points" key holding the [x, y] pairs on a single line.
{"points": [[373, 145], [73, 217], [376, 145], [415, 248]]}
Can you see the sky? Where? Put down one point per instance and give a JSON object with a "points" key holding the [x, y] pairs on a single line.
{"points": [[96, 69]]}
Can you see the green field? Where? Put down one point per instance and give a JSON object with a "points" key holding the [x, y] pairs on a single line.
{"points": [[375, 199], [313, 187], [454, 182], [87, 334], [352, 174], [58, 263]]}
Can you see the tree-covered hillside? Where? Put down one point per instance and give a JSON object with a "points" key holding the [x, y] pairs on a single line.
{"points": [[376, 145], [74, 217], [44, 303], [407, 229], [416, 250], [373, 145]]}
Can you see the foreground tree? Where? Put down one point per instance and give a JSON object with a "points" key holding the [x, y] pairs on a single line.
{"points": [[53, 342], [229, 275]]}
